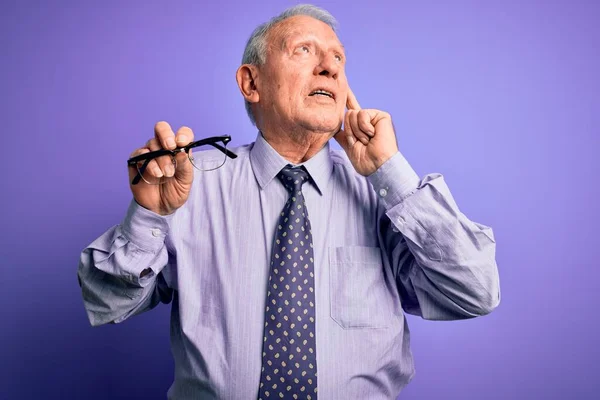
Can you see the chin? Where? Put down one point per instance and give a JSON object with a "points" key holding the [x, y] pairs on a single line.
{"points": [[322, 123], [322, 128]]}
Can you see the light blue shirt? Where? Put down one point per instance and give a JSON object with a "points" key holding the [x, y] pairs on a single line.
{"points": [[384, 245]]}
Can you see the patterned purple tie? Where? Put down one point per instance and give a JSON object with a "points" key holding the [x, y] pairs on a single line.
{"points": [[289, 358]]}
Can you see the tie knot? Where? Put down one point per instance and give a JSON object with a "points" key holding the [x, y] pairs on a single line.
{"points": [[293, 178]]}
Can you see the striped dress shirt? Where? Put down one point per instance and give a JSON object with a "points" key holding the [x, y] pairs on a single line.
{"points": [[384, 245]]}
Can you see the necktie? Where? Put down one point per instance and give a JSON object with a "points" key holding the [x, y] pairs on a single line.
{"points": [[289, 358]]}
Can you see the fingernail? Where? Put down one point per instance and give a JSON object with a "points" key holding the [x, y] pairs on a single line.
{"points": [[351, 141], [170, 170], [365, 141], [181, 139], [158, 172], [170, 143]]}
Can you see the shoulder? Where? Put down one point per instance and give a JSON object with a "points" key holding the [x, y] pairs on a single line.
{"points": [[340, 159], [345, 174], [343, 166], [350, 186]]}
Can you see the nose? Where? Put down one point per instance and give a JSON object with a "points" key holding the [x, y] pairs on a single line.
{"points": [[328, 66]]}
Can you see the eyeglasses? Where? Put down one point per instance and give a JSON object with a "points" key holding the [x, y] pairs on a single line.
{"points": [[207, 162]]}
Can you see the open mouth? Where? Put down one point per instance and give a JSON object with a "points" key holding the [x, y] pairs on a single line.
{"points": [[322, 92]]}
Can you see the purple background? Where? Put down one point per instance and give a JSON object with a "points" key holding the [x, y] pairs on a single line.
{"points": [[502, 98]]}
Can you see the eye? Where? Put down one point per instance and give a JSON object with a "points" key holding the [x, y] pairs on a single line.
{"points": [[305, 48], [338, 58]]}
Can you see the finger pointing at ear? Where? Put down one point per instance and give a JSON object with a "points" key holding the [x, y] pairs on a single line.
{"points": [[351, 102], [368, 136], [357, 119]]}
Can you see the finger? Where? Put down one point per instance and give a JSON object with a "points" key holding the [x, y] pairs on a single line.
{"points": [[358, 133], [164, 164], [136, 167], [137, 152], [181, 158], [183, 165], [151, 170], [345, 138], [351, 102], [164, 134], [184, 136], [347, 134], [184, 172], [364, 123], [133, 168]]}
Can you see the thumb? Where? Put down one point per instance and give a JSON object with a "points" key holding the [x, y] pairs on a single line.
{"points": [[345, 139], [184, 172]]}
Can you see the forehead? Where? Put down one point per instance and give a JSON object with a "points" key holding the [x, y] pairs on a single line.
{"points": [[302, 26]]}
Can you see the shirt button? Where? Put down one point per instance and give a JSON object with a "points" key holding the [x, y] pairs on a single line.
{"points": [[156, 232], [401, 220], [382, 192], [395, 229]]}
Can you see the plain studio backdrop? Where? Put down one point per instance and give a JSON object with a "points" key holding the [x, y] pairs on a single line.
{"points": [[502, 98]]}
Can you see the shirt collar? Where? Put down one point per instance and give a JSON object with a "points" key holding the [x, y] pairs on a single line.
{"points": [[266, 164]]}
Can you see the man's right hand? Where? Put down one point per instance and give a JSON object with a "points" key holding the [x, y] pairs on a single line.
{"points": [[167, 197]]}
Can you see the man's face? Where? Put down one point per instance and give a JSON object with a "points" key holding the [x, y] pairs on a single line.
{"points": [[303, 82]]}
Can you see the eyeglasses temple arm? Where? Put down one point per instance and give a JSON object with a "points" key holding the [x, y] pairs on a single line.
{"points": [[140, 170], [228, 153]]}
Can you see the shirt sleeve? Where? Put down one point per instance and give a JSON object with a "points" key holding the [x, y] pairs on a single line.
{"points": [[444, 264], [120, 272]]}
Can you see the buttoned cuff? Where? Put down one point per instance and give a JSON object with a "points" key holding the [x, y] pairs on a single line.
{"points": [[394, 181], [144, 228]]}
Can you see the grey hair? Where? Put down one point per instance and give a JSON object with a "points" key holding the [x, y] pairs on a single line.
{"points": [[256, 48]]}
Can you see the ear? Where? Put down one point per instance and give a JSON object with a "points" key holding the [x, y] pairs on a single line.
{"points": [[246, 79]]}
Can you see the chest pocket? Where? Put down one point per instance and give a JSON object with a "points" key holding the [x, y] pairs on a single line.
{"points": [[358, 293]]}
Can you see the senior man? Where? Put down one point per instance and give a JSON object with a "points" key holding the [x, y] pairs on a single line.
{"points": [[290, 266]]}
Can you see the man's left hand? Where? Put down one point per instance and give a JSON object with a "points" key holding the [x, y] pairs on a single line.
{"points": [[367, 137]]}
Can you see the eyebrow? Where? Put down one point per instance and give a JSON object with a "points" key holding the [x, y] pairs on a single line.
{"points": [[290, 35]]}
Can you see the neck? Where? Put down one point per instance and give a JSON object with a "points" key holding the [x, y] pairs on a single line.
{"points": [[296, 145]]}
